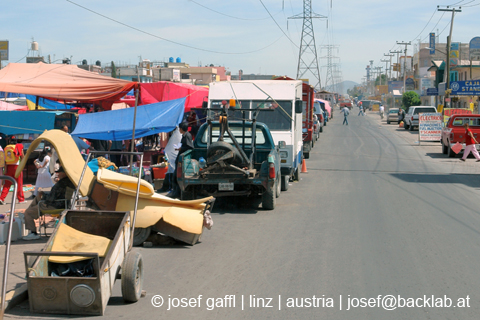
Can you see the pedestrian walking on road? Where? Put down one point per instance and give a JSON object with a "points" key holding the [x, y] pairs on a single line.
{"points": [[346, 112], [361, 110], [470, 142]]}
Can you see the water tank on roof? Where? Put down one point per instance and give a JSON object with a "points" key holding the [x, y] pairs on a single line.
{"points": [[84, 62], [98, 63], [178, 60], [171, 59], [35, 46]]}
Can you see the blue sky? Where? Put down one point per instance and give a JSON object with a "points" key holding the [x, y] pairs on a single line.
{"points": [[241, 33]]}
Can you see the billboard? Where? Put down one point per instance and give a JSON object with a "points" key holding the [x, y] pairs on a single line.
{"points": [[465, 88], [474, 47], [432, 43], [4, 50]]}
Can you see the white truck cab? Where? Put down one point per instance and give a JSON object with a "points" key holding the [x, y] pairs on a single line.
{"points": [[285, 122]]}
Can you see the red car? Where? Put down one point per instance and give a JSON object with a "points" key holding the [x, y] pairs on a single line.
{"points": [[454, 131]]}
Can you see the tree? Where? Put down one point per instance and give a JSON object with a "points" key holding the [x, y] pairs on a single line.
{"points": [[410, 98], [114, 70]]}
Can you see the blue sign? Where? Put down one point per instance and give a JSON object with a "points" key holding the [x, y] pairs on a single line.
{"points": [[432, 92], [432, 43], [465, 88], [475, 48], [409, 84]]}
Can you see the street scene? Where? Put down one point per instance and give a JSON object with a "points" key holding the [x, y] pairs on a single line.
{"points": [[327, 184]]}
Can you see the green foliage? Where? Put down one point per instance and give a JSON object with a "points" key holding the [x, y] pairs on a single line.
{"points": [[383, 80], [354, 92], [114, 70], [410, 98]]}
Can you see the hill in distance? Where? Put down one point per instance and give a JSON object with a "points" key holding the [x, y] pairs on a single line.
{"points": [[343, 86]]}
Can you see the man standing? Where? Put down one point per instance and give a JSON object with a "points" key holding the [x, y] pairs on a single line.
{"points": [[346, 112], [381, 109], [13, 156], [185, 144], [401, 115], [58, 192], [470, 142]]}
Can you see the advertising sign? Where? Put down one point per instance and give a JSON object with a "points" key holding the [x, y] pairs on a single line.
{"points": [[451, 111], [475, 48], [432, 92], [454, 53], [409, 84], [432, 43], [429, 127], [395, 85], [4, 50], [465, 88]]}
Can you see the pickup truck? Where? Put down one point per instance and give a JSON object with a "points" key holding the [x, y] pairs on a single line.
{"points": [[235, 165], [454, 131], [411, 117]]}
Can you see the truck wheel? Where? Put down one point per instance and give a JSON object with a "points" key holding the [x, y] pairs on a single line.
{"points": [[321, 129], [279, 186], [284, 182], [306, 155], [388, 121], [140, 235], [405, 125], [132, 276], [444, 148], [451, 154], [411, 128], [224, 147], [269, 198]]}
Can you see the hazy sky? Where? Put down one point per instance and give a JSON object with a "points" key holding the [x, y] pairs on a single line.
{"points": [[239, 35]]}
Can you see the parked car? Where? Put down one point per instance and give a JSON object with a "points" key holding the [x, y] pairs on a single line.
{"points": [[392, 115], [454, 131], [411, 117], [317, 127]]}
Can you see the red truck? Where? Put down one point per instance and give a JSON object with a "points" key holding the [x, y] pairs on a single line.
{"points": [[308, 94], [346, 103], [454, 131]]}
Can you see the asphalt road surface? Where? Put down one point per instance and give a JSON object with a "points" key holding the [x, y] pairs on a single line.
{"points": [[378, 217]]}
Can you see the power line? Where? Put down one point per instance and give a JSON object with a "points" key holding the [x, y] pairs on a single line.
{"points": [[165, 39], [276, 24], [226, 15], [435, 11]]}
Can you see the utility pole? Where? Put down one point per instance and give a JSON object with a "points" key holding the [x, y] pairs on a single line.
{"points": [[330, 78], [449, 42], [397, 52], [307, 43], [390, 69], [404, 63], [386, 64]]}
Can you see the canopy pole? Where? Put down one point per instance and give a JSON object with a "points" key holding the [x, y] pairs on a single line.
{"points": [[36, 102], [132, 144]]}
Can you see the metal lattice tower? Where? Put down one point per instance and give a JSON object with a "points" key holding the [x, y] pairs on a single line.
{"points": [[307, 58], [330, 78]]}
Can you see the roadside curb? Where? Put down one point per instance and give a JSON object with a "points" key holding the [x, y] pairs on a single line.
{"points": [[16, 296]]}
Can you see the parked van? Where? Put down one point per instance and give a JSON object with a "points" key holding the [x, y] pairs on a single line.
{"points": [[411, 118]]}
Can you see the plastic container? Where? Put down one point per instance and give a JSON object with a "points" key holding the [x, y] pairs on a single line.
{"points": [[202, 163]]}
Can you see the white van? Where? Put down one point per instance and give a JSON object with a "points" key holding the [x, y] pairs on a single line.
{"points": [[285, 122], [411, 118]]}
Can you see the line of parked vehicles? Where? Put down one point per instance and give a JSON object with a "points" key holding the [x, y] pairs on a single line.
{"points": [[255, 138]]}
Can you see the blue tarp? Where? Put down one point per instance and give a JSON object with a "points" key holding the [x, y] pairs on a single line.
{"points": [[47, 103], [17, 122], [118, 124], [11, 95]]}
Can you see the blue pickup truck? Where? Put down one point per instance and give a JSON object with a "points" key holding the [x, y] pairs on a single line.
{"points": [[227, 160]]}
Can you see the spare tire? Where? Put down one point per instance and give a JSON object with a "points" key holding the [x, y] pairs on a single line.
{"points": [[222, 147]]}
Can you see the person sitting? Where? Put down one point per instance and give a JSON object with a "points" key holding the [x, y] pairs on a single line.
{"points": [[57, 192]]}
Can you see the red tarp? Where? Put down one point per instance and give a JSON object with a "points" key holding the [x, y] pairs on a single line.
{"points": [[62, 82], [164, 91]]}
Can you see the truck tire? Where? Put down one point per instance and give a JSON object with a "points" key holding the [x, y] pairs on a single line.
{"points": [[284, 183], [451, 154], [140, 235], [269, 198], [279, 186], [132, 276], [388, 121], [411, 128], [321, 129], [405, 125], [444, 148], [306, 155], [224, 147]]}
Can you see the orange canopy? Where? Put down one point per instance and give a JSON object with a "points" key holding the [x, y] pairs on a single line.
{"points": [[61, 82]]}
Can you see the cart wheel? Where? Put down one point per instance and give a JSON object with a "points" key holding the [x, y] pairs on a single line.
{"points": [[140, 235], [132, 276]]}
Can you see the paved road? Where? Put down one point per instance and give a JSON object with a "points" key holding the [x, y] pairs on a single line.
{"points": [[377, 214]]}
